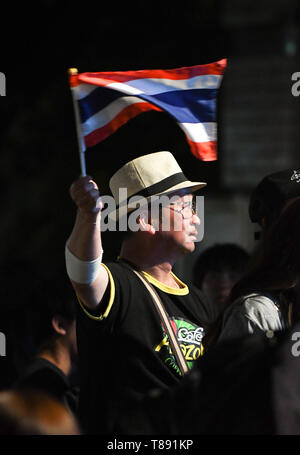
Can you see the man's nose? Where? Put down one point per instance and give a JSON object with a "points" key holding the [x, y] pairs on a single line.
{"points": [[195, 219]]}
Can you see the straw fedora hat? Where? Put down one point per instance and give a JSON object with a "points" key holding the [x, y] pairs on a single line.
{"points": [[148, 175]]}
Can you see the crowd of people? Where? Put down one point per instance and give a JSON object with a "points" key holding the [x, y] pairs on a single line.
{"points": [[132, 349]]}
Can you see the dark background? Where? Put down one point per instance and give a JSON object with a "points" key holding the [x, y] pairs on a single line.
{"points": [[39, 154], [39, 157]]}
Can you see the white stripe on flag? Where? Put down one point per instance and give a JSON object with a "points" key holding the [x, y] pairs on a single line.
{"points": [[107, 114], [83, 90], [200, 132], [155, 86], [125, 88]]}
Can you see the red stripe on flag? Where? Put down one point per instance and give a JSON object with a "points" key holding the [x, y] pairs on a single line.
{"points": [[105, 78], [126, 114], [205, 151], [73, 80]]}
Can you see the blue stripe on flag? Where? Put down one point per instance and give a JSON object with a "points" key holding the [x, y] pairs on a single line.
{"points": [[192, 106], [96, 101]]}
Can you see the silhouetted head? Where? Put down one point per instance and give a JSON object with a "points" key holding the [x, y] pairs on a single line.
{"points": [[271, 195], [217, 269]]}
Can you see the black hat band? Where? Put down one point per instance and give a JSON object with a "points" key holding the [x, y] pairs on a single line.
{"points": [[158, 187]]}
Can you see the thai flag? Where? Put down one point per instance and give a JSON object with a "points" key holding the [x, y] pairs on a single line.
{"points": [[107, 100]]}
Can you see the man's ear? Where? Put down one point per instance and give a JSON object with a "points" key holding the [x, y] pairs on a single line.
{"points": [[59, 324], [145, 226]]}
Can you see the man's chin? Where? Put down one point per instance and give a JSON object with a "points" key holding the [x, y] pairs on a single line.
{"points": [[189, 246], [186, 246]]}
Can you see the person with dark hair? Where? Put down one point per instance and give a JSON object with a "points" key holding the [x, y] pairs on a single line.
{"points": [[273, 193], [267, 296], [53, 331], [216, 270]]}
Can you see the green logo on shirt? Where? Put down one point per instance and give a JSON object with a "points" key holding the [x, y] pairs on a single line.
{"points": [[189, 337]]}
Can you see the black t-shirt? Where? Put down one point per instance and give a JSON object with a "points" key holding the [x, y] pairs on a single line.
{"points": [[124, 350]]}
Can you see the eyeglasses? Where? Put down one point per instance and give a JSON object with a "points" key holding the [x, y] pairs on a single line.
{"points": [[187, 210]]}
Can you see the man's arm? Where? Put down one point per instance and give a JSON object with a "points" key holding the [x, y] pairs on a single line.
{"points": [[85, 240]]}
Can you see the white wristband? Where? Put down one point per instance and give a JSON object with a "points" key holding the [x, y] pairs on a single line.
{"points": [[82, 272]]}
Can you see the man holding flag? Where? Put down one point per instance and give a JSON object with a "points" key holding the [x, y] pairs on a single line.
{"points": [[139, 327]]}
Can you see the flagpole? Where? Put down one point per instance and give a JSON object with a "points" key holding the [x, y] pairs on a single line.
{"points": [[81, 145]]}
